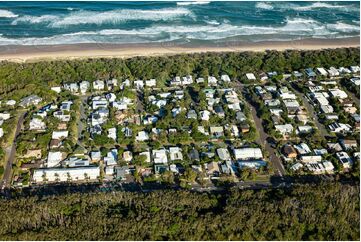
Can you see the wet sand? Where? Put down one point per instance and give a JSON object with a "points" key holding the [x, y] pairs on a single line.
{"points": [[83, 51]]}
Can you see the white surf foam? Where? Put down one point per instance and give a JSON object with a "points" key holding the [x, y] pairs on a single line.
{"points": [[7, 14], [317, 5], [264, 5], [98, 18], [192, 3]]}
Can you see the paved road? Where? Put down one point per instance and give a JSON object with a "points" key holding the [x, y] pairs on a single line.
{"points": [[262, 140], [312, 113], [80, 123], [11, 151]]}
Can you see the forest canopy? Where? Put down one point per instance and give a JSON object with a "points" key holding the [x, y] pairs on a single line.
{"points": [[304, 212], [15, 76]]}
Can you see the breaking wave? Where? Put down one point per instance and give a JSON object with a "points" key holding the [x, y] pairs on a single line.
{"points": [[317, 5], [292, 28], [264, 5], [98, 18], [7, 14], [192, 3]]}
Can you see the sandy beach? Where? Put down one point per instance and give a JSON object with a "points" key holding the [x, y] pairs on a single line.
{"points": [[83, 51]]}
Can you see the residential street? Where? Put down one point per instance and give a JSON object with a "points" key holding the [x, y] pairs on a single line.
{"points": [[10, 154], [312, 113], [262, 139]]}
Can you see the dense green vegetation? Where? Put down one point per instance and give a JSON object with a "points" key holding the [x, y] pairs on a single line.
{"points": [[305, 212], [15, 76]]}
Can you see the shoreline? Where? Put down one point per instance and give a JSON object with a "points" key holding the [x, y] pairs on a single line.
{"points": [[21, 54]]}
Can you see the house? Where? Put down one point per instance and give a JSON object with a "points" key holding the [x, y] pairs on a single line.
{"points": [[95, 156], [216, 131], [179, 94], [284, 128], [111, 158], [175, 153], [240, 116], [250, 76], [304, 129], [322, 71], [253, 164], [348, 144], [55, 143], [151, 83], [66, 174], [112, 133], [30, 100], [339, 127], [111, 83], [146, 154], [192, 114], [60, 134], [111, 97], [234, 131], [355, 81], [101, 103], [84, 86], [310, 158], [187, 80], [355, 69], [333, 72], [350, 110], [150, 119], [200, 80], [194, 155], [320, 98], [212, 168], [244, 128], [310, 73], [71, 87], [160, 156], [122, 172], [37, 124], [326, 108], [344, 159], [98, 85], [205, 115], [176, 111], [56, 89], [76, 161], [223, 154], [66, 105], [303, 148], [212, 81], [334, 147], [139, 84], [176, 81], [263, 77], [219, 111], [54, 158], [127, 156], [288, 151], [142, 136], [225, 78], [62, 116], [302, 118], [248, 153], [337, 93]]}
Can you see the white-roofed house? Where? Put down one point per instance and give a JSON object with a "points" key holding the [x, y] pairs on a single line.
{"points": [[251, 76], [175, 153], [160, 156], [248, 153], [98, 85]]}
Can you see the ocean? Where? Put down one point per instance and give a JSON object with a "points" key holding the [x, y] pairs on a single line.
{"points": [[54, 23]]}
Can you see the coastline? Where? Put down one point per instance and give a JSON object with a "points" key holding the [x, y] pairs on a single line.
{"points": [[21, 54]]}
